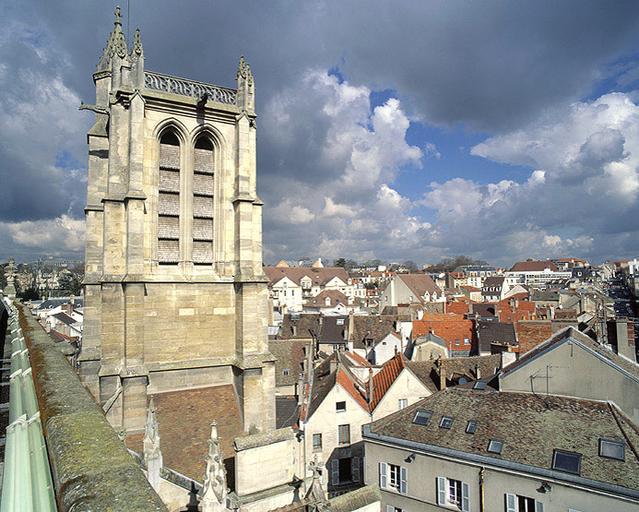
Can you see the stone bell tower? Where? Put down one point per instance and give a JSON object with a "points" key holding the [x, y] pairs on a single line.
{"points": [[175, 295]]}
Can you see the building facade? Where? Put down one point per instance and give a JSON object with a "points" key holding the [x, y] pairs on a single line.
{"points": [[175, 295]]}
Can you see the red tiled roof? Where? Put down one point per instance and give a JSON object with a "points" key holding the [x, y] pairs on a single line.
{"points": [[532, 333], [511, 310], [458, 307], [184, 420], [533, 266], [383, 380], [347, 383], [452, 328], [357, 359]]}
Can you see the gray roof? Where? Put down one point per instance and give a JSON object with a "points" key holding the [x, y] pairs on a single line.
{"points": [[433, 338], [299, 326], [374, 327], [571, 334], [286, 411], [530, 428], [289, 355], [355, 500], [489, 332], [333, 329]]}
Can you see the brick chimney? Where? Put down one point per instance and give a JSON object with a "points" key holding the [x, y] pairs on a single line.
{"points": [[442, 375]]}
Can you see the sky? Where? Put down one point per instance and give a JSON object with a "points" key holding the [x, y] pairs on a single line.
{"points": [[396, 130]]}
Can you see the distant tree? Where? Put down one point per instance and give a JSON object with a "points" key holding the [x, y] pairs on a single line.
{"points": [[450, 264], [71, 283], [339, 262], [28, 294], [350, 264], [410, 265]]}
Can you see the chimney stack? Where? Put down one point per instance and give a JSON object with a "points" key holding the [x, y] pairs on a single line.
{"points": [[442, 375], [371, 389]]}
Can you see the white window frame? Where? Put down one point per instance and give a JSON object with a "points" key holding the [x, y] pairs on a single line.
{"points": [[442, 493], [400, 478], [512, 503], [402, 403]]}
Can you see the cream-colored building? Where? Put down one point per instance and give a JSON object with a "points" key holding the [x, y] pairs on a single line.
{"points": [[175, 294], [481, 450]]}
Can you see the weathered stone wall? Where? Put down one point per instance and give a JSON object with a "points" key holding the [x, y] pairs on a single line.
{"points": [[92, 470]]}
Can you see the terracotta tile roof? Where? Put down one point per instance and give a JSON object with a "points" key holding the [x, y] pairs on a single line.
{"points": [[346, 381], [384, 378], [318, 276], [531, 333], [357, 359], [512, 310], [453, 328], [184, 420], [533, 266], [458, 307]]}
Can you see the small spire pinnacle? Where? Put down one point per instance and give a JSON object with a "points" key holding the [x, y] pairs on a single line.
{"points": [[116, 45], [214, 491], [118, 17], [137, 44]]}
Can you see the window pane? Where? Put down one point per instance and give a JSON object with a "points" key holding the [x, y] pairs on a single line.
{"points": [[422, 417], [567, 461], [612, 449]]}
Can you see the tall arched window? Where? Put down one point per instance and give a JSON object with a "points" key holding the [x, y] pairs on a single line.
{"points": [[203, 183], [169, 200]]}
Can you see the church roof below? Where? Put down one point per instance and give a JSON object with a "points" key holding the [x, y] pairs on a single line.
{"points": [[184, 419]]}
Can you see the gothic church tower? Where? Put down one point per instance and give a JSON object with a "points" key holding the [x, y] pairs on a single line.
{"points": [[175, 295]]}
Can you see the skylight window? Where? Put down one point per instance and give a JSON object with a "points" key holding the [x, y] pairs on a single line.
{"points": [[471, 427], [446, 422], [570, 462], [495, 446], [612, 449], [422, 417], [480, 385]]}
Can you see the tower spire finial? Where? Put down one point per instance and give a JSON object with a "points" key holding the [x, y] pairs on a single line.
{"points": [[118, 16], [116, 45]]}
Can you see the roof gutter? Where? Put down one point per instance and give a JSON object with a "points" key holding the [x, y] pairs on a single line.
{"points": [[548, 474]]}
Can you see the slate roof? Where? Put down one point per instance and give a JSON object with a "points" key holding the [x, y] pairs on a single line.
{"points": [[492, 282], [533, 266], [529, 426], [333, 329], [420, 284], [489, 332], [485, 309], [318, 276], [370, 327], [289, 356], [286, 411], [64, 318], [545, 295], [299, 326], [427, 372], [432, 338]]}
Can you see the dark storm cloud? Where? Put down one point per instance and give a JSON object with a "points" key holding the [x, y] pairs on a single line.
{"points": [[491, 66]]}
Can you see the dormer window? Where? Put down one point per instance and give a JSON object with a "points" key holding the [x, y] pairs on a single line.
{"points": [[570, 462]]}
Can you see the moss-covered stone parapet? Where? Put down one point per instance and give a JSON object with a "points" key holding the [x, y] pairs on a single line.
{"points": [[92, 470]]}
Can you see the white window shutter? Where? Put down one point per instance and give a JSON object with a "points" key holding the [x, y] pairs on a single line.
{"points": [[511, 503], [539, 506], [402, 481], [441, 490], [465, 497], [382, 475], [335, 471], [355, 469]]}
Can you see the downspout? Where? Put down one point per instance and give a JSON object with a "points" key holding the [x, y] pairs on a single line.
{"points": [[481, 489]]}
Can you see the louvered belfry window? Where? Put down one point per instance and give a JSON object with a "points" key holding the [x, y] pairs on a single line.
{"points": [[203, 183], [169, 200]]}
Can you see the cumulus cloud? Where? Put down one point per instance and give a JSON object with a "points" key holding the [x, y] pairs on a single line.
{"points": [[344, 193], [583, 197], [61, 236]]}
